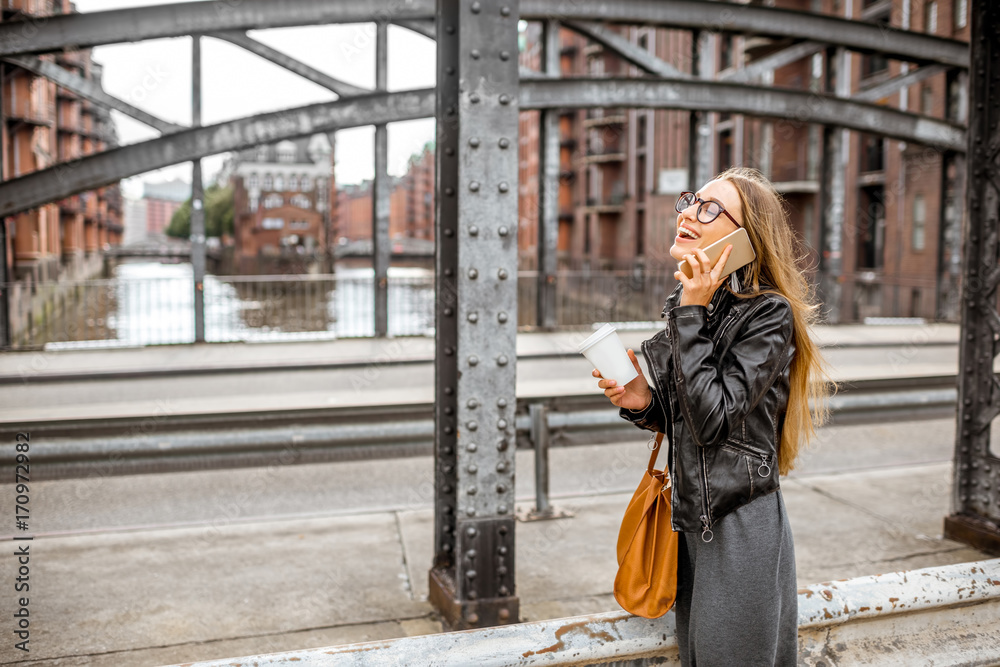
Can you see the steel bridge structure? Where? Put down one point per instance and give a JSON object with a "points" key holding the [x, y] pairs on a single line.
{"points": [[480, 91]]}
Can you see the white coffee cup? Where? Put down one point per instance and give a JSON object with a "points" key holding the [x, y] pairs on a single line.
{"points": [[605, 350]]}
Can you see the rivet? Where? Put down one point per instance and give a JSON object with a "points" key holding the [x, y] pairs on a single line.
{"points": [[504, 614], [502, 360], [471, 511], [449, 232], [473, 360], [505, 11], [502, 424], [502, 530], [504, 99], [448, 509], [505, 55], [472, 425], [502, 550], [449, 350], [501, 402], [450, 29], [451, 111], [502, 466], [448, 430], [471, 554], [446, 546], [475, 7], [471, 447], [472, 403], [449, 151], [504, 143], [474, 53], [474, 142], [448, 313], [502, 318], [502, 445], [474, 186], [473, 274], [501, 488], [450, 192], [473, 317], [474, 98], [502, 230], [472, 468], [471, 490], [473, 230], [449, 391], [501, 509], [503, 187], [502, 274], [449, 272], [448, 469], [473, 617], [449, 411], [446, 450]]}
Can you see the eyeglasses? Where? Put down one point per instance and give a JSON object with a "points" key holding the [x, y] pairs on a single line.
{"points": [[707, 210]]}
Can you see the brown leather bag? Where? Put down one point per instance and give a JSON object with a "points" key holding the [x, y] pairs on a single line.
{"points": [[646, 583]]}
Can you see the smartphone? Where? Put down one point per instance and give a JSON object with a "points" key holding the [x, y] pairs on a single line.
{"points": [[741, 255]]}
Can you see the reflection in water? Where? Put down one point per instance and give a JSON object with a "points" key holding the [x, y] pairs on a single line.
{"points": [[152, 303]]}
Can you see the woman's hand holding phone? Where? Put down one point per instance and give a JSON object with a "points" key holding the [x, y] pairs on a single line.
{"points": [[699, 289]]}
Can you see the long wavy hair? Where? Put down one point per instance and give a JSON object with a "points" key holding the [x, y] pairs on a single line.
{"points": [[777, 270]]}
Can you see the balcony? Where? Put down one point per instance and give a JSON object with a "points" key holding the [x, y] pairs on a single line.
{"points": [[25, 112]]}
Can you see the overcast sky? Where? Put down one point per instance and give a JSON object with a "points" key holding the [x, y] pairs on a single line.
{"points": [[156, 77]]}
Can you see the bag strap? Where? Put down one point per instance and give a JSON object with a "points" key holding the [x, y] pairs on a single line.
{"points": [[656, 450]]}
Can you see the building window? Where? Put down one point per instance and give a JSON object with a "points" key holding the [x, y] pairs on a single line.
{"points": [[305, 183], [930, 17], [301, 201], [253, 204], [273, 201], [272, 223], [268, 182], [279, 182], [252, 181], [262, 154], [726, 52], [298, 224], [919, 222], [961, 13], [293, 182], [286, 151]]}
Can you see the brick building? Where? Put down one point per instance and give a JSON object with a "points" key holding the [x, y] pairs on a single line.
{"points": [[411, 203], [162, 200], [621, 169], [44, 125], [281, 198]]}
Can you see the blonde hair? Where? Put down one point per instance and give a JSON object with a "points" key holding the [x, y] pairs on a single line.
{"points": [[766, 222]]}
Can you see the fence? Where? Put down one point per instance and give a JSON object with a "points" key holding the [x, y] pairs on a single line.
{"points": [[136, 308]]}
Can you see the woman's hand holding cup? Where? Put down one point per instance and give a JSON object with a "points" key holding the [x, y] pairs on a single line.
{"points": [[635, 395]]}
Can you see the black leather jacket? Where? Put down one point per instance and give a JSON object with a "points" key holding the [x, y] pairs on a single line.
{"points": [[720, 390]]}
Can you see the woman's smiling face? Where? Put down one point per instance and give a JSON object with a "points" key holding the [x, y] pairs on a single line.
{"points": [[720, 191]]}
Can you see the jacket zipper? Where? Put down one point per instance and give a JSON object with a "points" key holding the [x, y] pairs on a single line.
{"points": [[706, 521], [763, 456]]}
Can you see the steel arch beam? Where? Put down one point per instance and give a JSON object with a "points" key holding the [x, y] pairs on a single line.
{"points": [[107, 167], [136, 24], [761, 101], [756, 20], [84, 30]]}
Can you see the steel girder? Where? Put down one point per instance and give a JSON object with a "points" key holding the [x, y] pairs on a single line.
{"points": [[185, 145], [57, 33], [111, 166], [757, 20], [472, 580], [792, 105], [975, 501]]}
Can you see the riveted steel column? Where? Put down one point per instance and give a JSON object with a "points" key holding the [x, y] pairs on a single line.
{"points": [[833, 194], [548, 190], [699, 132], [975, 501], [380, 192], [4, 300], [197, 200], [472, 579]]}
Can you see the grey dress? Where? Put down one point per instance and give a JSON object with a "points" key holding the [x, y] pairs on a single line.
{"points": [[737, 598]]}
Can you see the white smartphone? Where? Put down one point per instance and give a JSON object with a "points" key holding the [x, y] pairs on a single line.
{"points": [[741, 255]]}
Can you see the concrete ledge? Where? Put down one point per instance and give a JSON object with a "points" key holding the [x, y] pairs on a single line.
{"points": [[941, 615]]}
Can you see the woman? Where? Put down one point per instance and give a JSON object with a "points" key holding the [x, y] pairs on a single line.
{"points": [[733, 373]]}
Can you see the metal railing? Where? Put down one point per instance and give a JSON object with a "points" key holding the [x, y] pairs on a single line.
{"points": [[155, 306]]}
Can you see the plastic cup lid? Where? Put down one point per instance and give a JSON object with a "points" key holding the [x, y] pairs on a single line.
{"points": [[601, 333]]}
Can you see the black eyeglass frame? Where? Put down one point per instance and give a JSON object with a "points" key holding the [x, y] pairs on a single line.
{"points": [[701, 202]]}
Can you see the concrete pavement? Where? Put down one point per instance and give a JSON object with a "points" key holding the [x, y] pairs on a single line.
{"points": [[162, 569]]}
